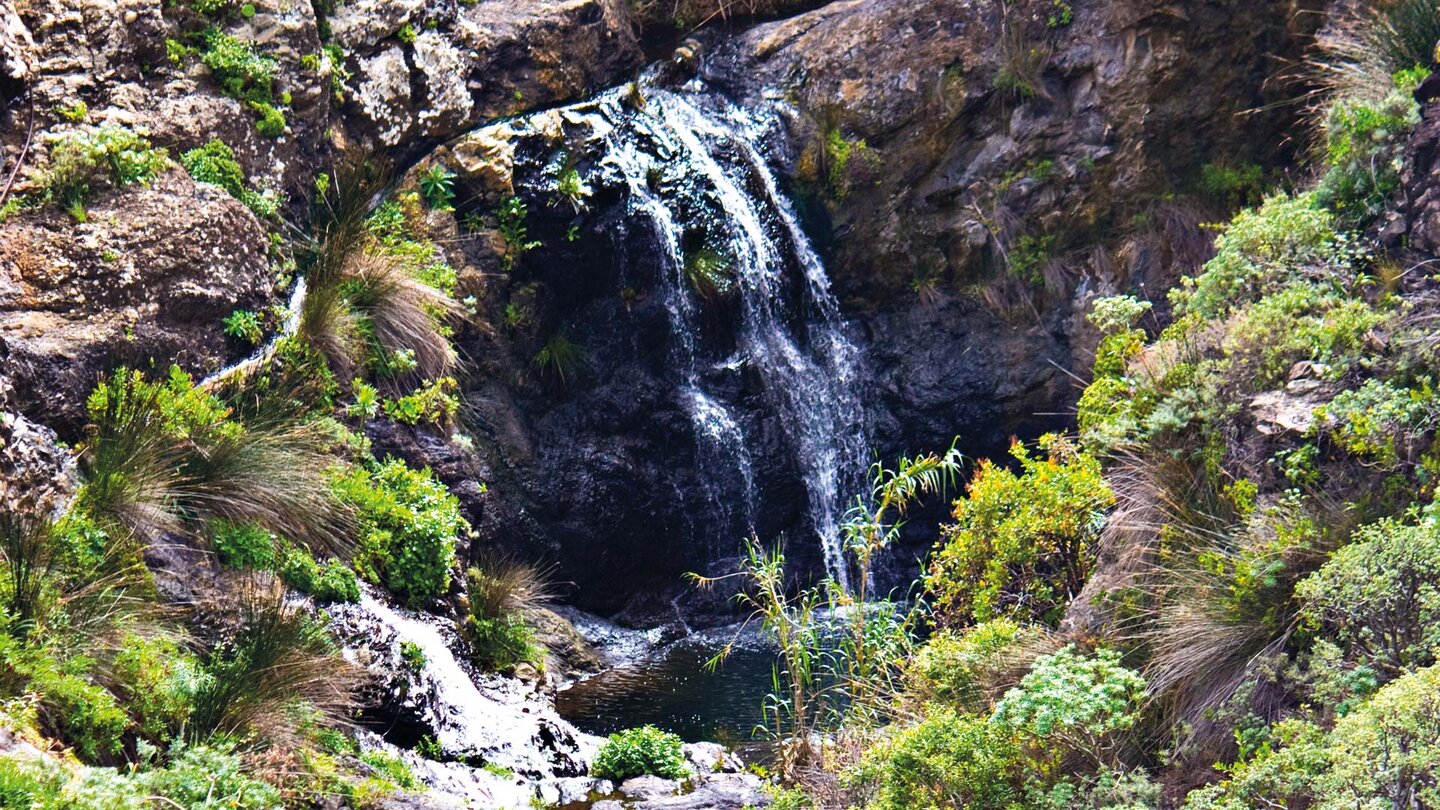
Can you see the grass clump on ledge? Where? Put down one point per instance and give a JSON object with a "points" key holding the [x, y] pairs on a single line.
{"points": [[639, 752]]}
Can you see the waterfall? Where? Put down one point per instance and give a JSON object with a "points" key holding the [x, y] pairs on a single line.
{"points": [[790, 330]]}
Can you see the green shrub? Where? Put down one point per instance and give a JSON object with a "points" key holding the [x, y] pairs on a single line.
{"points": [[1380, 421], [25, 785], [1022, 545], [947, 760], [1385, 753], [433, 403], [243, 545], [333, 582], [83, 161], [215, 163], [72, 706], [640, 751], [243, 324], [158, 680], [1365, 146], [269, 120], [1259, 251], [965, 669], [201, 777], [1081, 702], [501, 643], [238, 66], [1379, 596], [409, 522], [393, 768], [437, 183]]}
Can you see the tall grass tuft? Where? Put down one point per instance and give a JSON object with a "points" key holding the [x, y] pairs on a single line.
{"points": [[161, 455], [278, 670], [403, 313]]}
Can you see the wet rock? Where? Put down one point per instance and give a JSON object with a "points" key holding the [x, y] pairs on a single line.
{"points": [[647, 787], [147, 279], [480, 717], [34, 468]]}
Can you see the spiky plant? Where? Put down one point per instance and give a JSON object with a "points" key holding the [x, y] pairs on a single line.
{"points": [[277, 665], [502, 585], [402, 313], [1359, 54], [161, 455], [710, 273], [560, 358]]}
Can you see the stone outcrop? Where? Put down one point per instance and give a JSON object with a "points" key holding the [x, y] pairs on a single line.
{"points": [[147, 278], [458, 66]]}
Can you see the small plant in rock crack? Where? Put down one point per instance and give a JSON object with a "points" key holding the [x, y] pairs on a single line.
{"points": [[511, 218], [437, 183], [245, 325], [413, 656], [572, 188]]}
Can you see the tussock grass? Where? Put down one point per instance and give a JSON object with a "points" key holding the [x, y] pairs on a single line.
{"points": [[277, 671]]}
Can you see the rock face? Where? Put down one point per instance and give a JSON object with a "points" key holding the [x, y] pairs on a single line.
{"points": [[473, 62], [149, 276], [967, 217]]}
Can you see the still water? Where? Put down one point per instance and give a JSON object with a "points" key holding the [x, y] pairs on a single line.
{"points": [[673, 689]]}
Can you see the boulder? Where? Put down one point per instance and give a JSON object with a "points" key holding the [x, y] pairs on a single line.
{"points": [[145, 281], [456, 68]]}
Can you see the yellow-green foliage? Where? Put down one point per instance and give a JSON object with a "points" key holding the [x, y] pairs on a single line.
{"points": [[1385, 753], [409, 523], [967, 669], [1022, 545]]}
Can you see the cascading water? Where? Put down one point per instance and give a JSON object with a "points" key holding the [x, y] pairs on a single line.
{"points": [[712, 178]]}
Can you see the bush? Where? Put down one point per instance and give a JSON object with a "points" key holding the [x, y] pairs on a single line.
{"points": [[157, 680], [1386, 753], [1258, 252], [1080, 701], [83, 161], [640, 751], [202, 777], [1022, 545], [1379, 596], [408, 522], [238, 66], [434, 403], [333, 582], [72, 706], [501, 643], [1365, 146], [967, 669], [243, 545], [947, 760]]}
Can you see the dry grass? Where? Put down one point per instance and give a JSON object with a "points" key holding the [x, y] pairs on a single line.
{"points": [[276, 667], [505, 586], [145, 480], [403, 312]]}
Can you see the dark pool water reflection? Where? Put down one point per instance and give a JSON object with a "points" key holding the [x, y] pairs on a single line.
{"points": [[673, 689]]}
